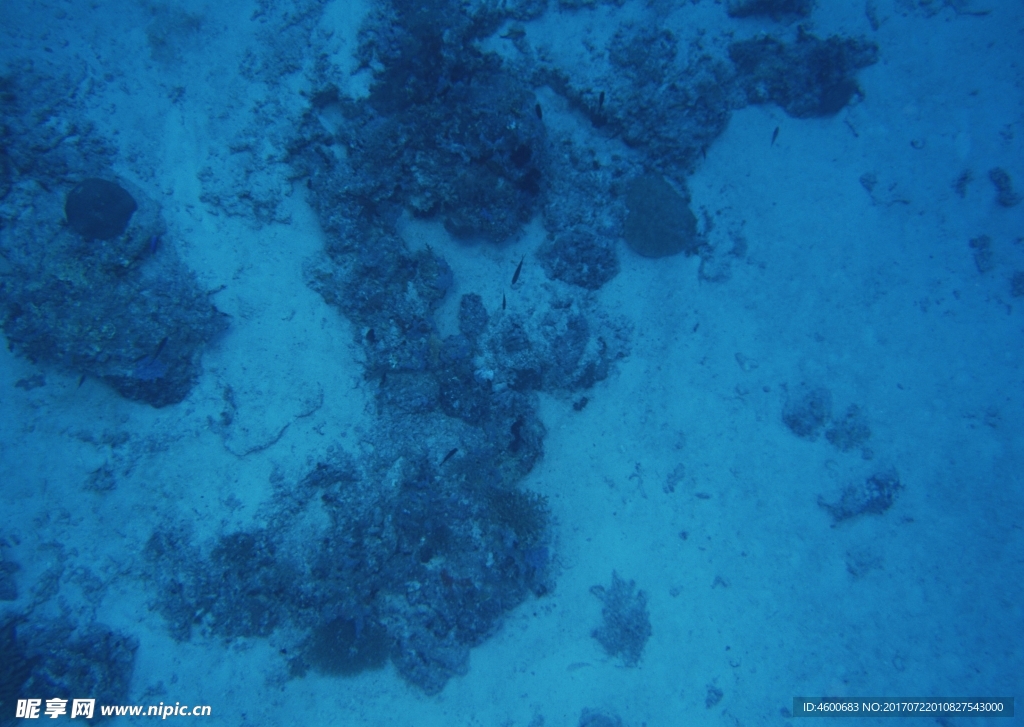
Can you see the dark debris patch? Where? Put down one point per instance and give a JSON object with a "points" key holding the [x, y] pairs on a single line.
{"points": [[873, 497], [713, 696]]}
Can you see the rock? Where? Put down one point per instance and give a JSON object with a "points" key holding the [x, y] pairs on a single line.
{"points": [[660, 222], [98, 209]]}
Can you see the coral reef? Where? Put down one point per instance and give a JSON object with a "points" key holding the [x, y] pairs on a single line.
{"points": [[54, 659], [419, 574], [810, 77], [105, 295], [446, 131], [626, 625], [580, 258]]}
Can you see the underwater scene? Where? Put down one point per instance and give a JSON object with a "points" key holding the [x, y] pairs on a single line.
{"points": [[511, 363]]}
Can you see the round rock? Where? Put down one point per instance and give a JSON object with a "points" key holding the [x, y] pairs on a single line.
{"points": [[659, 222], [98, 209]]}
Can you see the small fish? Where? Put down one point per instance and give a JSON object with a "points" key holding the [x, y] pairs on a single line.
{"points": [[775, 135], [449, 455], [154, 244], [597, 118], [503, 302], [514, 33], [151, 368], [519, 269], [540, 112]]}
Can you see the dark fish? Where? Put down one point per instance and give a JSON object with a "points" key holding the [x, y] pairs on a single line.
{"points": [[151, 368], [540, 113], [775, 135], [449, 455], [597, 118], [154, 243], [519, 269], [160, 348], [503, 301]]}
